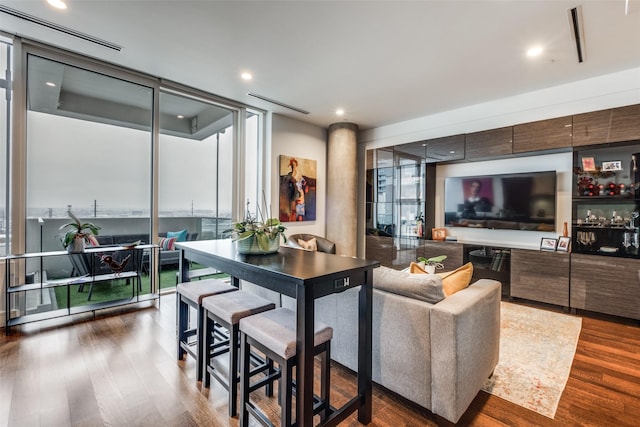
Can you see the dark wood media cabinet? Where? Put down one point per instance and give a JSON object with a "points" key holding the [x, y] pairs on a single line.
{"points": [[594, 283]]}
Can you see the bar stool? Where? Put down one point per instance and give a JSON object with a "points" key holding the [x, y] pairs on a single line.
{"points": [[226, 310], [274, 333], [191, 294]]}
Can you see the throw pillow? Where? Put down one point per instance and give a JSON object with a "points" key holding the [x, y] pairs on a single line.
{"points": [[456, 280], [423, 287], [308, 245], [166, 243], [417, 268], [93, 240], [181, 236]]}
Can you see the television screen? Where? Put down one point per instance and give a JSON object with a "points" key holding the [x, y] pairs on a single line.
{"points": [[520, 201]]}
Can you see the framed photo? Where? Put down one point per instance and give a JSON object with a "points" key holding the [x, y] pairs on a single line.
{"points": [[563, 244], [588, 164], [548, 244], [439, 233], [612, 166]]}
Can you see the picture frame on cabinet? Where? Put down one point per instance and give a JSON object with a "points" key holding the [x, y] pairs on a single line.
{"points": [[439, 234], [548, 244], [589, 164], [612, 166], [564, 244]]}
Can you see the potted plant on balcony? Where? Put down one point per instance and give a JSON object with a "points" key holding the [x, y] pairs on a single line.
{"points": [[433, 263], [77, 233], [258, 236]]}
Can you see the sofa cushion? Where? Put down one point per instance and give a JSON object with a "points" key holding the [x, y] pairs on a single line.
{"points": [[104, 240], [456, 280], [308, 245], [93, 240], [181, 236], [166, 243], [423, 287]]}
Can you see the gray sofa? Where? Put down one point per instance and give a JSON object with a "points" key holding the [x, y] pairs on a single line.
{"points": [[167, 257], [436, 355]]}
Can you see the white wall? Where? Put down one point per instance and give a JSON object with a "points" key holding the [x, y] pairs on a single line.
{"points": [[561, 163], [291, 137], [598, 93]]}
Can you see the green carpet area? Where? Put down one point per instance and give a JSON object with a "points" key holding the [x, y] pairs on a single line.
{"points": [[115, 289]]}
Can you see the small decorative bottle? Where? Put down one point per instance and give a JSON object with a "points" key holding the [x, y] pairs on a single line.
{"points": [[565, 231]]}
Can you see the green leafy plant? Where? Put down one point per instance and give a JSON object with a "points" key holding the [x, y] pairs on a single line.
{"points": [[76, 228], [436, 261], [263, 229]]}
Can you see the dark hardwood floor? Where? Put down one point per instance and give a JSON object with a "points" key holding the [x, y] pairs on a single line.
{"points": [[120, 370]]}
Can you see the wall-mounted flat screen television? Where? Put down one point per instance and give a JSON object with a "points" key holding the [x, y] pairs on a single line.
{"points": [[519, 201]]}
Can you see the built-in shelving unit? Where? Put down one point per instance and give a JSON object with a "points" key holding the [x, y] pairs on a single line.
{"points": [[606, 201], [599, 271]]}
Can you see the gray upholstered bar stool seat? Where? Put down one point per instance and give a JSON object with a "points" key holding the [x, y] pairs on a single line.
{"points": [[274, 333], [191, 294], [226, 310]]}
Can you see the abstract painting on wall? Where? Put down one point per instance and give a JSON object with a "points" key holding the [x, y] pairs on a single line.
{"points": [[297, 189]]}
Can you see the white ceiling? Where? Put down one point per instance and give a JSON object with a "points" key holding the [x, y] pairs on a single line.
{"points": [[381, 61]]}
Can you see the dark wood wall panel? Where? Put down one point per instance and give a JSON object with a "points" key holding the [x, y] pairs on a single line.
{"points": [[625, 124], [445, 149], [540, 276], [606, 285], [613, 125], [489, 144], [542, 135], [591, 128]]}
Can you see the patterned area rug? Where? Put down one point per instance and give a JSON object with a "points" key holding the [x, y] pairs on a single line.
{"points": [[536, 353]]}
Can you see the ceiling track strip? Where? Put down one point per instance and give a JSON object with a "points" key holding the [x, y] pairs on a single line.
{"points": [[60, 28], [282, 104], [575, 17]]}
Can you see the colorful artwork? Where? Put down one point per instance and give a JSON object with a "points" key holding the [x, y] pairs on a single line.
{"points": [[297, 189]]}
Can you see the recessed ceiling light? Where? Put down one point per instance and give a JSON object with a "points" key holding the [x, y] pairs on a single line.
{"points": [[534, 51], [340, 112], [246, 76], [58, 4], [50, 84], [180, 116], [452, 152]]}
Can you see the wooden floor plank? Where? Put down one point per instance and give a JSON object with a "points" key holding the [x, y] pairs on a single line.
{"points": [[120, 369]]}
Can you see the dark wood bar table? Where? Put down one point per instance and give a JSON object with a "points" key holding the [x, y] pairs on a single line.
{"points": [[305, 276]]}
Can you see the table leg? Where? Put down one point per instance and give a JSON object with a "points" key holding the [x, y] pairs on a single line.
{"points": [[364, 348], [304, 349], [183, 268]]}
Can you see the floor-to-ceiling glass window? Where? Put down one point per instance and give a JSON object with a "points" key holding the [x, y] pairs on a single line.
{"points": [[195, 172], [253, 130], [5, 119], [88, 151], [88, 148], [141, 159]]}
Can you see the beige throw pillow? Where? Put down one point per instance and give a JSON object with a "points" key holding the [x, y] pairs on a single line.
{"points": [[308, 245]]}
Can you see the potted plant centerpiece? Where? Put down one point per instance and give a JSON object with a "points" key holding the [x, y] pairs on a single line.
{"points": [[433, 263], [258, 236], [77, 233]]}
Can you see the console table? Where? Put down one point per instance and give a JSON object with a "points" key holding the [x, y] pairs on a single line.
{"points": [[305, 276], [27, 273]]}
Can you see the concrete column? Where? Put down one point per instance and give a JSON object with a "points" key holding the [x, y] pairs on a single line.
{"points": [[342, 187]]}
